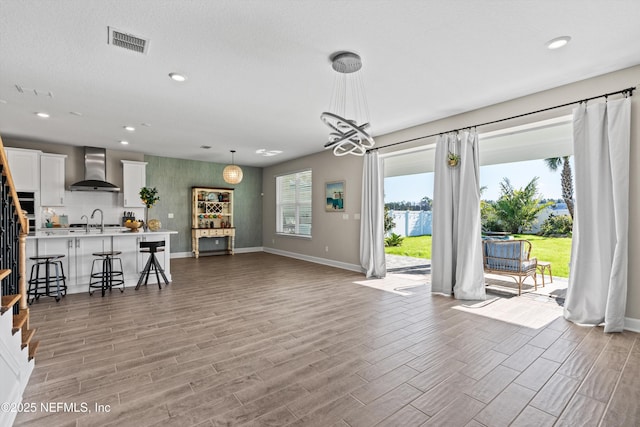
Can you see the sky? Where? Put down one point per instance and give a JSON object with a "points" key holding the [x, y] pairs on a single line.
{"points": [[412, 188]]}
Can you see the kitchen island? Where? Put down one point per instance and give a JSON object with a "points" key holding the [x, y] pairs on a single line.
{"points": [[78, 246]]}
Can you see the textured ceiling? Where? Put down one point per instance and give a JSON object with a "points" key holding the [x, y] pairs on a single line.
{"points": [[259, 73]]}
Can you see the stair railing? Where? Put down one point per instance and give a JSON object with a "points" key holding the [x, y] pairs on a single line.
{"points": [[14, 228]]}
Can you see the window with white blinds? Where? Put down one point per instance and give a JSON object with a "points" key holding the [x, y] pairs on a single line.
{"points": [[293, 203]]}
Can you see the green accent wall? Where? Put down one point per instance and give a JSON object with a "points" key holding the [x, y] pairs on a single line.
{"points": [[174, 178]]}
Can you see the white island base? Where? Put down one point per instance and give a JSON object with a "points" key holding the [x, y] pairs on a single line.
{"points": [[78, 249]]}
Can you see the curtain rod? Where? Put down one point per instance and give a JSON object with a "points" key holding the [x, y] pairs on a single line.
{"points": [[627, 91]]}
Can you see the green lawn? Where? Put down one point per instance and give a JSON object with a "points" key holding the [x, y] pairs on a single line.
{"points": [[417, 247], [556, 250]]}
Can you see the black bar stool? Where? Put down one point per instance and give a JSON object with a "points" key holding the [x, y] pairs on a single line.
{"points": [[152, 263], [106, 278], [41, 286]]}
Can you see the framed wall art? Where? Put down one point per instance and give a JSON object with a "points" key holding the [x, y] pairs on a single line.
{"points": [[334, 193]]}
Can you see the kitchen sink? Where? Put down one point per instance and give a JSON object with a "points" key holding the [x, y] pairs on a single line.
{"points": [[82, 230], [94, 230]]}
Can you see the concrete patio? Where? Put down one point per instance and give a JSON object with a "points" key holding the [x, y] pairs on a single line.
{"points": [[497, 286]]}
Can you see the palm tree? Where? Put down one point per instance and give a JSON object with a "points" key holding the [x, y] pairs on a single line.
{"points": [[517, 208], [566, 179]]}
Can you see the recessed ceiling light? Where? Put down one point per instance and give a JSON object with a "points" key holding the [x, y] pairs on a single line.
{"points": [[42, 115], [147, 125], [177, 77], [129, 128], [205, 147], [75, 113], [124, 142], [558, 42]]}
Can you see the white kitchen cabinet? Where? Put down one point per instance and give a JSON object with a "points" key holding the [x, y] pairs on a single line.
{"points": [[52, 179], [131, 257], [78, 258], [134, 261], [64, 247], [134, 175], [163, 257], [160, 255], [85, 248], [78, 250], [25, 168]]}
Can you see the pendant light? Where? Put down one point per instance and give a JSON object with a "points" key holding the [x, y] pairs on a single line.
{"points": [[232, 173], [348, 114]]}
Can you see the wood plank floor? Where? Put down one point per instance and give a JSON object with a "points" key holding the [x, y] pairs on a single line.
{"points": [[262, 340]]}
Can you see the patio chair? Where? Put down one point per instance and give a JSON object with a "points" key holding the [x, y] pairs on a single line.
{"points": [[510, 258]]}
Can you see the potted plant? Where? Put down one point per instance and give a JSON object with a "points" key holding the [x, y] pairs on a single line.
{"points": [[453, 159], [149, 196]]}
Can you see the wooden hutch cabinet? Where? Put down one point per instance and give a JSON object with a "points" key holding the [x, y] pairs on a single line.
{"points": [[212, 216]]}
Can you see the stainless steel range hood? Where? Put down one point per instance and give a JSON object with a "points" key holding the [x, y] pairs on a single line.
{"points": [[95, 172]]}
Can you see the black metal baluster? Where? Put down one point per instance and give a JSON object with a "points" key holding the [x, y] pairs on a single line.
{"points": [[9, 240], [4, 232]]}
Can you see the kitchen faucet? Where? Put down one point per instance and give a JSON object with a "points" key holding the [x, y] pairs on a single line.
{"points": [[101, 218], [86, 224]]}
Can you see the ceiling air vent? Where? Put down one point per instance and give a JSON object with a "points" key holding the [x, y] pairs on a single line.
{"points": [[128, 41], [32, 91]]}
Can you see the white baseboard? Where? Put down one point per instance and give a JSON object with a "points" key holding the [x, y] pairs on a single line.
{"points": [[181, 255], [317, 260], [215, 253], [631, 324], [248, 250]]}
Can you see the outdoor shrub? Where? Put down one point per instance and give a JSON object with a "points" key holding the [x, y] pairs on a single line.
{"points": [[393, 240], [488, 217], [388, 221], [557, 226]]}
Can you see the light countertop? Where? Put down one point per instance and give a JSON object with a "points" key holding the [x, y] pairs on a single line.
{"points": [[57, 233]]}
